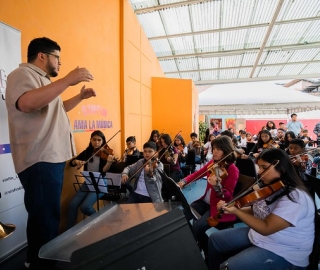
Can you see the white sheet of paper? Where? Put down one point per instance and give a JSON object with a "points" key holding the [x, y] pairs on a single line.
{"points": [[99, 180]]}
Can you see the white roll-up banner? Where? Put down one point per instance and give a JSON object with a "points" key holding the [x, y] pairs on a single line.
{"points": [[12, 210]]}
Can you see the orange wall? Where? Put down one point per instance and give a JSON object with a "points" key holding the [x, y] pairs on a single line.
{"points": [[176, 106], [140, 64]]}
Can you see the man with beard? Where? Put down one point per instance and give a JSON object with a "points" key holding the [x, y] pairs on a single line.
{"points": [[41, 138]]}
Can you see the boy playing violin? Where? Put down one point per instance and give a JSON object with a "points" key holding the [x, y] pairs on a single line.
{"points": [[147, 181], [299, 158], [196, 145], [280, 228]]}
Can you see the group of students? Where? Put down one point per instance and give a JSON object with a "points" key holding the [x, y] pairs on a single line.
{"points": [[146, 185], [280, 228]]}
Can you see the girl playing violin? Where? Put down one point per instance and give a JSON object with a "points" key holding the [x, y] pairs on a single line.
{"points": [[83, 199], [280, 230], [196, 145], [222, 147], [264, 142], [180, 144], [131, 148], [169, 155]]}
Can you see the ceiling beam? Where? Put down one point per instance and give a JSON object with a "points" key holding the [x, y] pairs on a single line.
{"points": [[241, 67], [257, 79], [172, 5], [225, 29], [266, 37], [242, 51]]}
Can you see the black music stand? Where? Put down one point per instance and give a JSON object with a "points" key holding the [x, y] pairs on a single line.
{"points": [[94, 183]]}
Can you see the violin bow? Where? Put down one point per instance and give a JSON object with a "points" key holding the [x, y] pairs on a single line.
{"points": [[209, 168], [100, 149], [143, 165]]}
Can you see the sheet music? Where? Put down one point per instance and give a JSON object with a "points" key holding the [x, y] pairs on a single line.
{"points": [[116, 178], [100, 181]]}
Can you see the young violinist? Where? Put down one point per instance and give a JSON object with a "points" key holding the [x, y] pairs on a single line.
{"points": [[280, 228], [280, 138], [222, 149], [182, 149], [131, 149], [155, 137], [265, 141], [169, 155], [97, 163], [196, 145], [144, 177], [300, 158], [288, 136]]}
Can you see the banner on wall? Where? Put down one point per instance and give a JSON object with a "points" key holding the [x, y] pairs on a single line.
{"points": [[12, 210]]}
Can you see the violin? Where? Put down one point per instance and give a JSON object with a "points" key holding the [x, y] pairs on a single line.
{"points": [[249, 199], [196, 144], [271, 144], [180, 148], [220, 172], [246, 199], [105, 152]]}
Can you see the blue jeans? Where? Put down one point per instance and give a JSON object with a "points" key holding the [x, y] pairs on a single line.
{"points": [[84, 199], [42, 183], [232, 246], [137, 198], [200, 226]]}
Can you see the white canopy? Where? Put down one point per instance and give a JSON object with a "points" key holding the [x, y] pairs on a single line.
{"points": [[255, 98]]}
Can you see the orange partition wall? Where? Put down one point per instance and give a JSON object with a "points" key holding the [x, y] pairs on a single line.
{"points": [[175, 106], [139, 64], [89, 36]]}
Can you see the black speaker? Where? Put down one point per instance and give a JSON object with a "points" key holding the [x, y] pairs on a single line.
{"points": [[163, 243]]}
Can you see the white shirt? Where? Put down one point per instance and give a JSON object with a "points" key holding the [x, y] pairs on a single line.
{"points": [[141, 186], [293, 243]]}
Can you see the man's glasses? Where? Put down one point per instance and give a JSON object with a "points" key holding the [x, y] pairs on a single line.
{"points": [[56, 56]]}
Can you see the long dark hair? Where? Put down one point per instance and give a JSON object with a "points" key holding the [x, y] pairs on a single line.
{"points": [[96, 133], [166, 138], [154, 132], [288, 174], [273, 125], [181, 139], [293, 136], [260, 142], [224, 143]]}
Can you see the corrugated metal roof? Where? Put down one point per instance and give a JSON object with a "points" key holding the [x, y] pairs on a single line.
{"points": [[224, 41]]}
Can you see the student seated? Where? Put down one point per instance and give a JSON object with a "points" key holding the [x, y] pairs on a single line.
{"points": [[305, 137], [131, 149], [223, 151], [84, 199], [300, 158], [280, 228], [147, 181], [196, 145]]}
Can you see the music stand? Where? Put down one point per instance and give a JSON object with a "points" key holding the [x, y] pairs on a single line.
{"points": [[95, 183]]}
